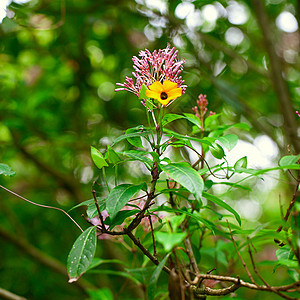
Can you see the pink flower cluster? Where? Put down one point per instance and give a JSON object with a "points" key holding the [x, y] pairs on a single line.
{"points": [[202, 106], [149, 67]]}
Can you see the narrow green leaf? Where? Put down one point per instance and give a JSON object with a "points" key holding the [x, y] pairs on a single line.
{"points": [[168, 118], [112, 156], [98, 158], [131, 135], [116, 273], [6, 170], [119, 196], [143, 96], [184, 174], [120, 217], [84, 203], [100, 294], [81, 254], [170, 239], [193, 119], [195, 215], [223, 204], [229, 140], [154, 278], [139, 155], [142, 274], [99, 261], [243, 126], [185, 137]]}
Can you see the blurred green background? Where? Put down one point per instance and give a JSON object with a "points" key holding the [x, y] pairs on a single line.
{"points": [[59, 62]]}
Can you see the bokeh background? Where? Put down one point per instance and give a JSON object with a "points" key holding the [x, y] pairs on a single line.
{"points": [[59, 64]]}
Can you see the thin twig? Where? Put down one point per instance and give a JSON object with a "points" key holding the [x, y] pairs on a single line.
{"points": [[98, 208], [239, 255], [262, 279], [41, 205], [153, 238], [290, 206]]}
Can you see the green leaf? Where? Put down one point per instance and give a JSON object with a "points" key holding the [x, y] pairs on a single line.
{"points": [[142, 274], [184, 174], [154, 278], [82, 253], [112, 156], [99, 261], [185, 137], [136, 141], [210, 120], [170, 239], [288, 263], [288, 160], [89, 202], [168, 118], [92, 209], [241, 164], [284, 253], [243, 126], [223, 204], [195, 215], [119, 196], [143, 96], [193, 119], [132, 135], [100, 294], [217, 151], [120, 217], [229, 141], [6, 170], [98, 158], [139, 155], [294, 274], [116, 273]]}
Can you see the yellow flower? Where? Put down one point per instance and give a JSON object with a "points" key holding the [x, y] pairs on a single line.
{"points": [[164, 92]]}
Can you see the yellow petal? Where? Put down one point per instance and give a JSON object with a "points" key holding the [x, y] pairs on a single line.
{"points": [[156, 87], [169, 85], [164, 102], [153, 94], [175, 93]]}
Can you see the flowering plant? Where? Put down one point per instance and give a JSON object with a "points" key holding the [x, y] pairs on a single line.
{"points": [[188, 231]]}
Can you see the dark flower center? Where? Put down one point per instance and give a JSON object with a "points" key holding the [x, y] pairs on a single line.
{"points": [[163, 96]]}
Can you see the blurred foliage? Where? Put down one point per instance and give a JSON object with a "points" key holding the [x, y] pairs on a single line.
{"points": [[59, 62]]}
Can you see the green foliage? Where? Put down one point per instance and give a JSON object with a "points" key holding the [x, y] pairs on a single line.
{"points": [[98, 158], [154, 278], [6, 170], [186, 176], [59, 62], [82, 253], [119, 196]]}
